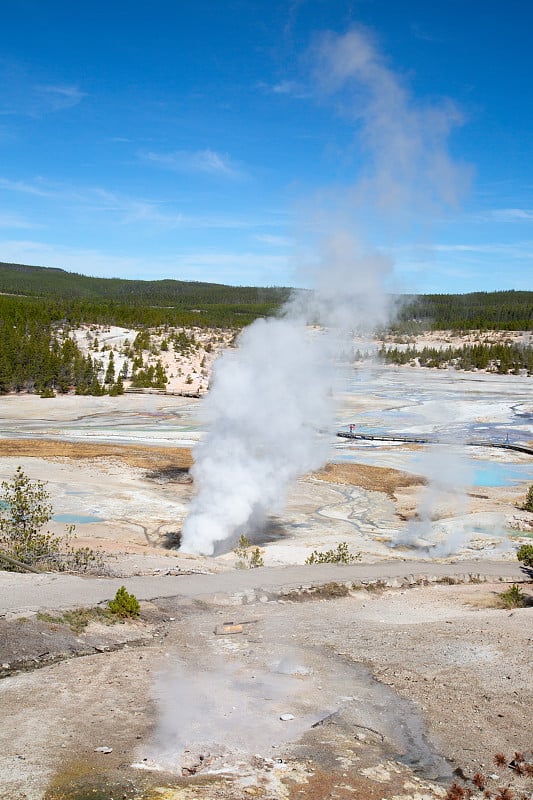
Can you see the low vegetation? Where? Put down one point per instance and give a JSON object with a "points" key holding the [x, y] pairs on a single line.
{"points": [[525, 554], [513, 597], [341, 555], [325, 591], [248, 557], [25, 511], [528, 505], [124, 605], [78, 618]]}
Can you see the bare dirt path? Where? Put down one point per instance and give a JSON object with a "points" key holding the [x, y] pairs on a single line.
{"points": [[23, 593]]}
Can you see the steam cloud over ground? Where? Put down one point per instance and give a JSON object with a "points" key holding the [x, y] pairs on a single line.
{"points": [[270, 397]]}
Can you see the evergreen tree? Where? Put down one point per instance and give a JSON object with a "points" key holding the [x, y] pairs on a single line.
{"points": [[110, 372]]}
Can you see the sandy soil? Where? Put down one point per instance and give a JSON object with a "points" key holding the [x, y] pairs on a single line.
{"points": [[390, 693]]}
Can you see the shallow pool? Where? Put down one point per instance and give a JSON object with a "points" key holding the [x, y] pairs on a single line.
{"points": [[452, 464], [77, 519]]}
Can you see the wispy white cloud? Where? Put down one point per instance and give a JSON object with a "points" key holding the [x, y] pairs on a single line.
{"points": [[126, 209], [289, 88], [275, 241], [8, 220], [284, 87], [422, 34], [512, 214], [56, 97], [462, 267], [36, 188], [206, 161], [522, 249], [516, 250], [25, 99], [130, 210]]}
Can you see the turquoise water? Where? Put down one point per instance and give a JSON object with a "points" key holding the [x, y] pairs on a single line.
{"points": [[473, 471], [496, 474], [77, 519]]}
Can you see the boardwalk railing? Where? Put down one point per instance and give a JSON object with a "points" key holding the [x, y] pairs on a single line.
{"points": [[370, 437]]}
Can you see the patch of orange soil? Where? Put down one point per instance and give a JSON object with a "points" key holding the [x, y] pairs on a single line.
{"points": [[132, 455], [374, 479]]}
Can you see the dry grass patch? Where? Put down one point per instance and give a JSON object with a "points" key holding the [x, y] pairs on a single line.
{"points": [[374, 479], [151, 458]]}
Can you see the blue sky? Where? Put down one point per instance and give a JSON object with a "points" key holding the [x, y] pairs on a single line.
{"points": [[200, 141]]}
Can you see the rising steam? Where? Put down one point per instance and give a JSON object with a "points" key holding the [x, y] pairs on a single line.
{"points": [[272, 395]]}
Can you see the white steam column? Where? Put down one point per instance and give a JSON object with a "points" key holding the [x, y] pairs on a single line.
{"points": [[271, 395]]}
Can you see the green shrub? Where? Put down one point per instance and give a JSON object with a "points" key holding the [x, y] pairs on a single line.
{"points": [[25, 510], [124, 604], [528, 505], [255, 558], [248, 557], [525, 554], [341, 555], [514, 597]]}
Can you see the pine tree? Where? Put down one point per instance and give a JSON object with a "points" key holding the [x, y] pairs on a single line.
{"points": [[110, 372]]}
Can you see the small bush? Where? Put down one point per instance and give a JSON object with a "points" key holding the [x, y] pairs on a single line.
{"points": [[525, 554], [339, 556], [514, 597], [247, 558], [25, 511], [124, 604], [528, 505]]}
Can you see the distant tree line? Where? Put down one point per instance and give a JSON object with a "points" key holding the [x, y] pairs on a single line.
{"points": [[510, 310], [39, 306], [164, 298], [194, 303], [501, 358]]}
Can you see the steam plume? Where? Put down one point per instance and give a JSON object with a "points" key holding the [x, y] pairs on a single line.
{"points": [[272, 395]]}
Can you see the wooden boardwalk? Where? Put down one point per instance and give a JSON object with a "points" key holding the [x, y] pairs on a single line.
{"points": [[370, 437]]}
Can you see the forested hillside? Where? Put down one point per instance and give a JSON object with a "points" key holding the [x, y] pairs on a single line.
{"points": [[47, 282], [128, 302], [39, 307], [511, 311]]}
